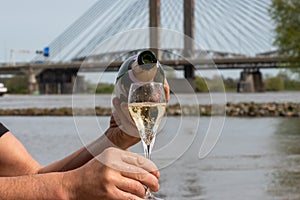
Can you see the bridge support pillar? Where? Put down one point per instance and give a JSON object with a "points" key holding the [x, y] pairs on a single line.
{"points": [[251, 81], [189, 74], [154, 24], [60, 81], [189, 31], [33, 85]]}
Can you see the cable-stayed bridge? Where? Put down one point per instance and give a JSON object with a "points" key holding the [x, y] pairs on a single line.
{"points": [[233, 26], [230, 32]]}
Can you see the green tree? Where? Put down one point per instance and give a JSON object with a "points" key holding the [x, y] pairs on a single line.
{"points": [[200, 84], [285, 14], [105, 88], [290, 84], [16, 84], [230, 84], [274, 84]]}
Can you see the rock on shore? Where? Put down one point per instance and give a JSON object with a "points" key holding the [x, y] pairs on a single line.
{"points": [[230, 109], [239, 110]]}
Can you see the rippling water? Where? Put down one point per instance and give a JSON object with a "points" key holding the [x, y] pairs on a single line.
{"points": [[51, 101], [257, 158]]}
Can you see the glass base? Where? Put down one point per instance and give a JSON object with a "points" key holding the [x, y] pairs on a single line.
{"points": [[152, 198]]}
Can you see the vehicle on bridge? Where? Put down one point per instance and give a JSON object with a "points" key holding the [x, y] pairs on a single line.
{"points": [[3, 89]]}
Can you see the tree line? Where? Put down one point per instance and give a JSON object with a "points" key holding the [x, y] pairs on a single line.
{"points": [[283, 81]]}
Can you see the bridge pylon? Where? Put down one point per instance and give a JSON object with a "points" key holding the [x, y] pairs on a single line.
{"points": [[33, 84], [154, 24], [189, 35], [250, 81]]}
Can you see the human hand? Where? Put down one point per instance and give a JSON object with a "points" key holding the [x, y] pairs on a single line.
{"points": [[114, 174], [122, 131], [167, 90]]}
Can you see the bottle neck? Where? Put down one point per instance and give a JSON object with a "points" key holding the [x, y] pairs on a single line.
{"points": [[133, 77]]}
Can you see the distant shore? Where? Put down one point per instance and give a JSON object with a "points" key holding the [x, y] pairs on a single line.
{"points": [[246, 109]]}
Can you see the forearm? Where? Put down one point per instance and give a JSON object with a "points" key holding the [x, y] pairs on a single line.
{"points": [[33, 187], [80, 157]]}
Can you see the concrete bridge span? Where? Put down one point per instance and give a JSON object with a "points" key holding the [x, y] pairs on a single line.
{"points": [[60, 77]]}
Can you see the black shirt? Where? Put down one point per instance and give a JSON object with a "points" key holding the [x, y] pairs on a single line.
{"points": [[3, 129]]}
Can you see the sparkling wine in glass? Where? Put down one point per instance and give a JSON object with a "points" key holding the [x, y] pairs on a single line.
{"points": [[147, 106]]}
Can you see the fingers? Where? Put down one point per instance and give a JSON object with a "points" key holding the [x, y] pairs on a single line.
{"points": [[137, 167], [123, 118], [124, 107], [125, 195], [142, 176], [122, 175], [119, 115], [135, 173], [116, 105], [167, 90], [131, 186], [139, 161], [125, 161]]}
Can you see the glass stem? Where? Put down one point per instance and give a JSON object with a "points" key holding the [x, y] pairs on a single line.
{"points": [[147, 151]]}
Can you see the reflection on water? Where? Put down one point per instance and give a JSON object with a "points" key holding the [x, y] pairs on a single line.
{"points": [[257, 158], [288, 132], [254, 159], [285, 178]]}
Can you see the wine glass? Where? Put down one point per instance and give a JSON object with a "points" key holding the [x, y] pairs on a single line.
{"points": [[147, 106]]}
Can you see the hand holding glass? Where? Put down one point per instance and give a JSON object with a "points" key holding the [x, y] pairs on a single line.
{"points": [[147, 106]]}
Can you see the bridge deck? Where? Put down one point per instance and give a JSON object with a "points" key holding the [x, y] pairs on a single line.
{"points": [[199, 64]]}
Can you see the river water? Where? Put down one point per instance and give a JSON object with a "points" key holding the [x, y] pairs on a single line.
{"points": [[56, 101], [255, 158]]}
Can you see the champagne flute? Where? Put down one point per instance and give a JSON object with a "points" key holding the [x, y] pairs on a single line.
{"points": [[147, 106]]}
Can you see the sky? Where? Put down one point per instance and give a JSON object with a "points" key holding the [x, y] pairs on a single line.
{"points": [[32, 24]]}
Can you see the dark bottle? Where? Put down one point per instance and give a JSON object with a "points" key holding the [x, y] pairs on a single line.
{"points": [[143, 67]]}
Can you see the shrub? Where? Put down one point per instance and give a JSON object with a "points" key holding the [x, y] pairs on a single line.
{"points": [[105, 88], [274, 84], [200, 85], [16, 84]]}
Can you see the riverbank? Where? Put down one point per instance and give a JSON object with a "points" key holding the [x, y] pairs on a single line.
{"points": [[246, 109]]}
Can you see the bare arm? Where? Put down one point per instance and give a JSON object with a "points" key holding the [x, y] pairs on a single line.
{"points": [[114, 174], [80, 157], [33, 187], [16, 161], [113, 137], [14, 158]]}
